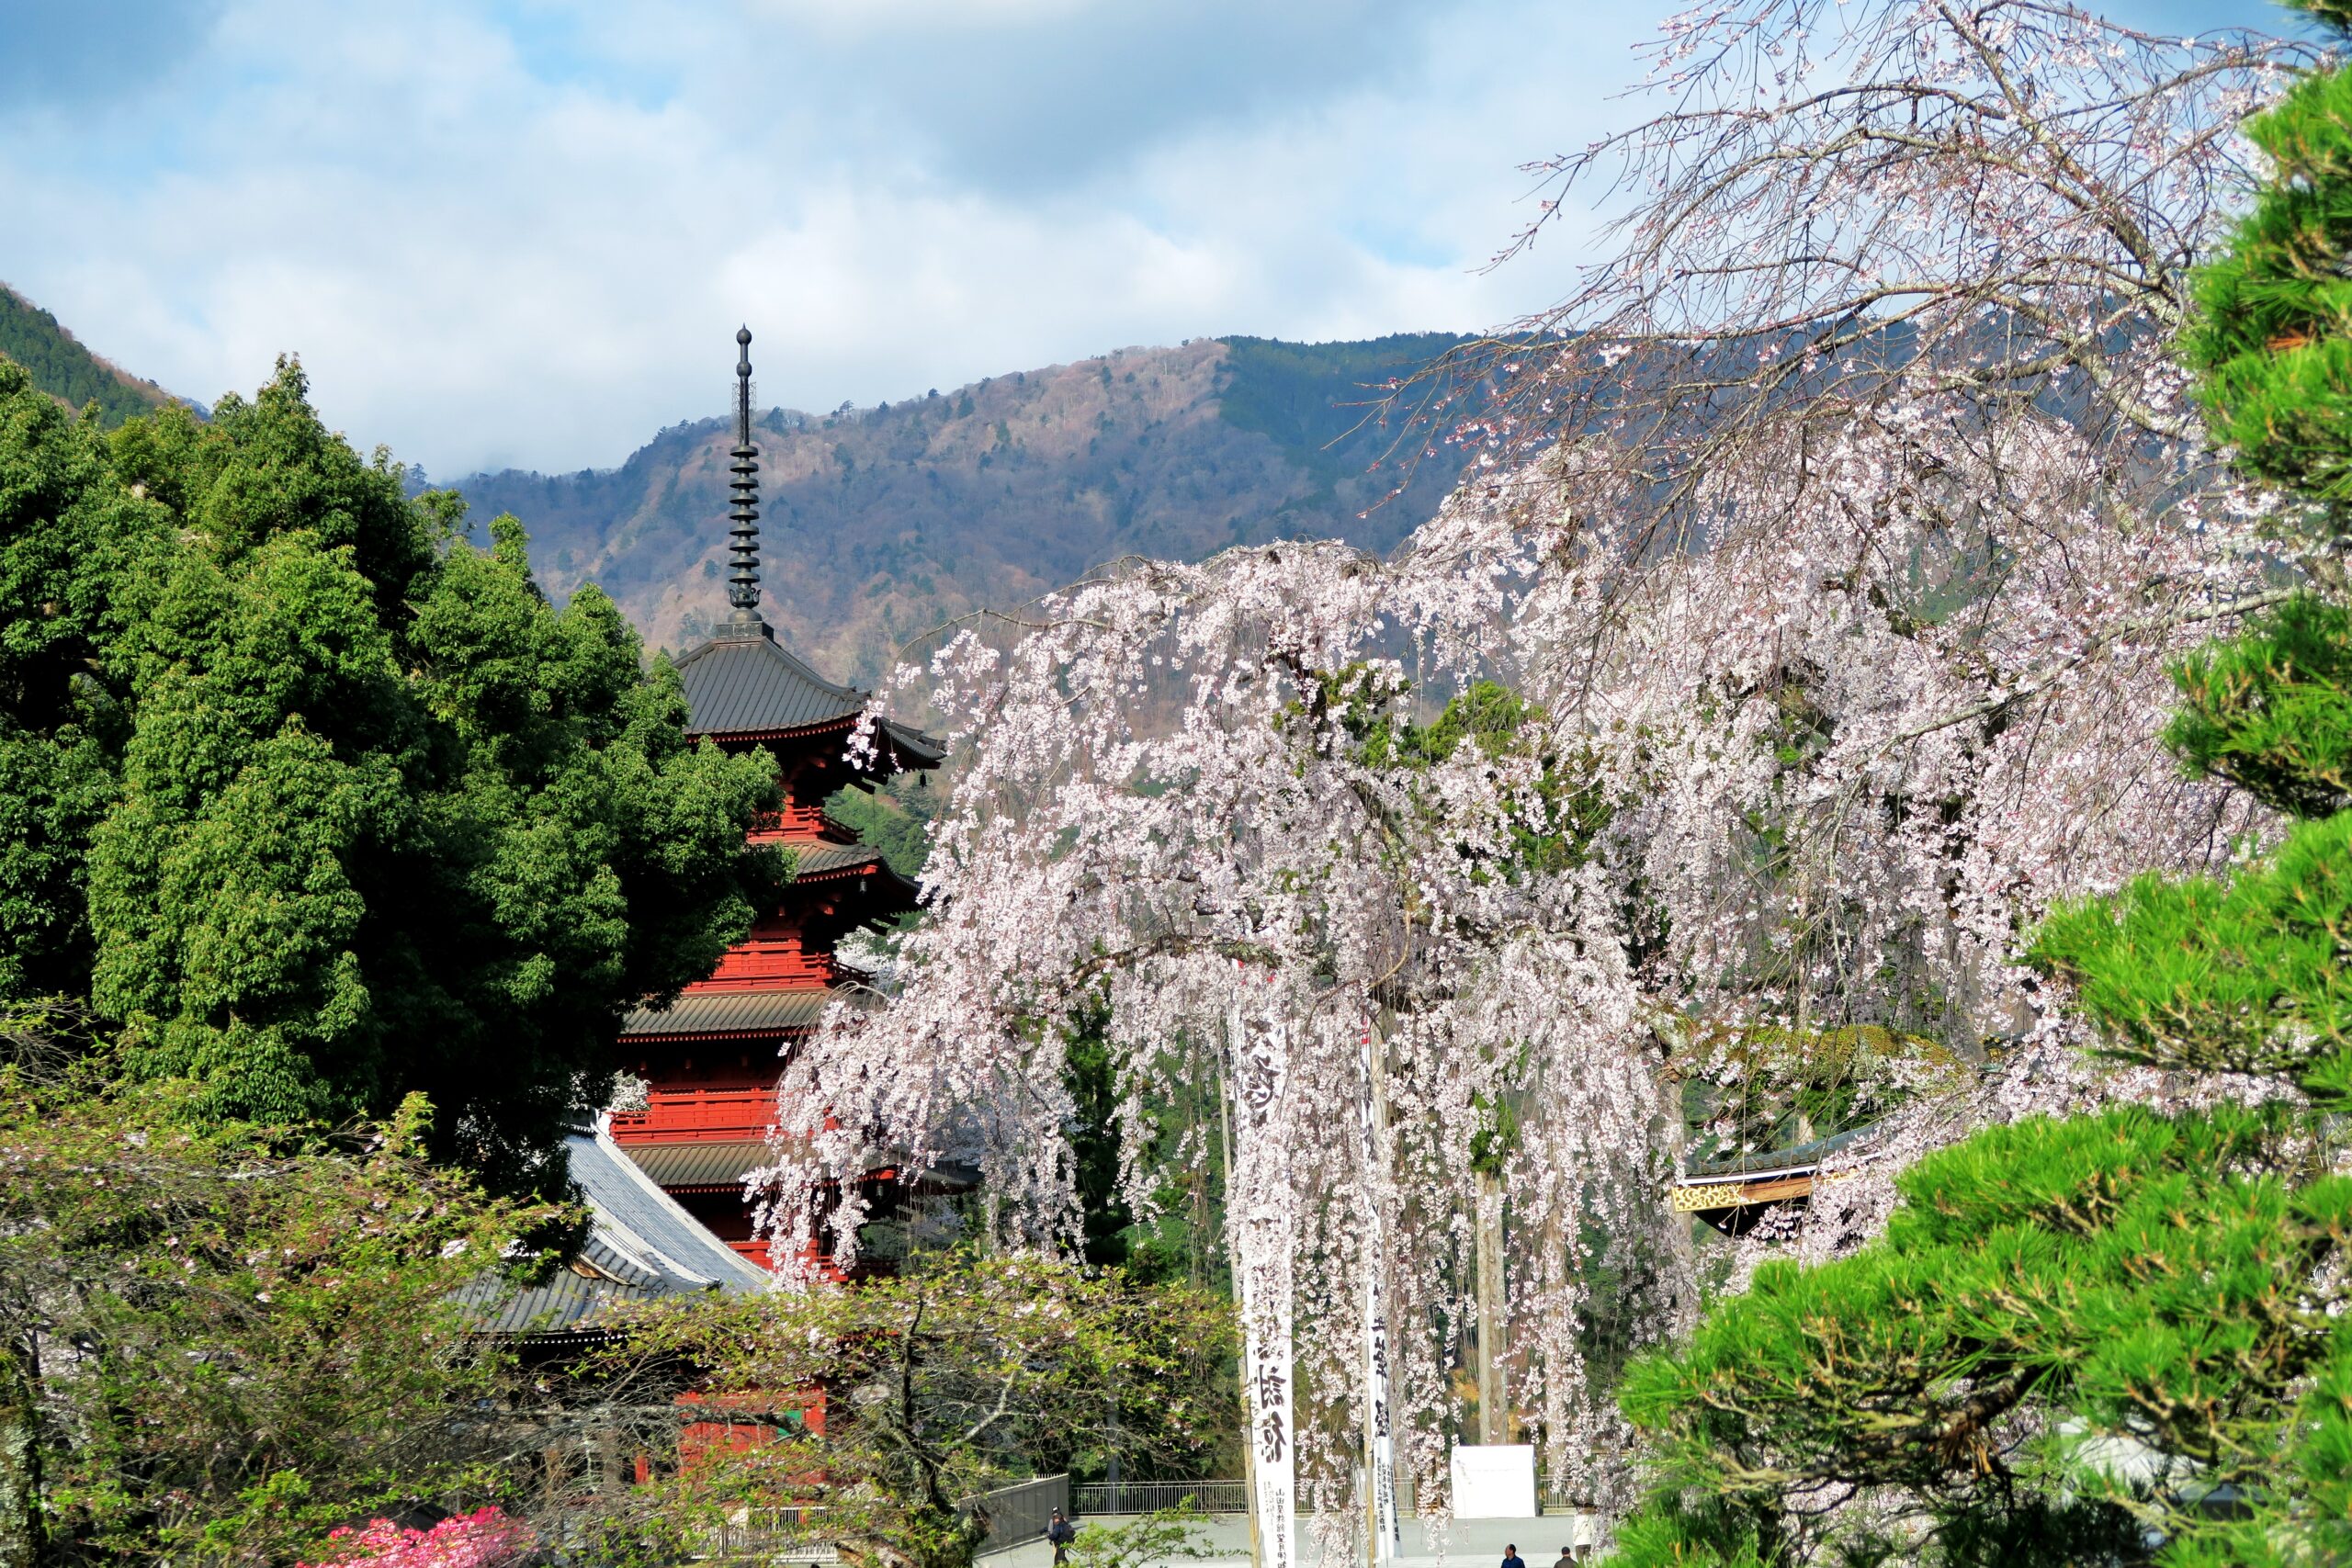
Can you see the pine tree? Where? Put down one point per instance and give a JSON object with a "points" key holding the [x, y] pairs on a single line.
{"points": [[2112, 1337]]}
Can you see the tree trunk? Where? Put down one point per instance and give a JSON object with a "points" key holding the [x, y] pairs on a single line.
{"points": [[1493, 1426], [20, 1529]]}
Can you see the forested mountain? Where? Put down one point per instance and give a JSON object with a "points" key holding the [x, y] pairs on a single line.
{"points": [[60, 367], [881, 523]]}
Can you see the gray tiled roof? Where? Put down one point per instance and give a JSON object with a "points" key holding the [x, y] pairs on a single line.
{"points": [[816, 859], [641, 1246], [742, 685], [720, 1163], [729, 1012], [750, 685]]}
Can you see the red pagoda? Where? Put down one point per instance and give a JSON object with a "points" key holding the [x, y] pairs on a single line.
{"points": [[712, 1059]]}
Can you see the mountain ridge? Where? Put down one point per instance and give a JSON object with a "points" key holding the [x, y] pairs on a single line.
{"points": [[880, 523], [61, 366]]}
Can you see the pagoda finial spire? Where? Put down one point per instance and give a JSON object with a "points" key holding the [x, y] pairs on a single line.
{"points": [[744, 530]]}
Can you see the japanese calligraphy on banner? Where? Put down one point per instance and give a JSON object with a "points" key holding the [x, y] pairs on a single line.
{"points": [[1379, 1438], [1261, 1214]]}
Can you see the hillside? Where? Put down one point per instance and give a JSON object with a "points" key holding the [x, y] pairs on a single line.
{"points": [[880, 523], [60, 367]]}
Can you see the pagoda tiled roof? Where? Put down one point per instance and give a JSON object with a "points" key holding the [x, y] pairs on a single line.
{"points": [[642, 1246], [821, 858], [751, 686], [722, 1162], [824, 861], [704, 1014]]}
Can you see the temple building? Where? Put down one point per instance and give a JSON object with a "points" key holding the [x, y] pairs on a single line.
{"points": [[712, 1059]]}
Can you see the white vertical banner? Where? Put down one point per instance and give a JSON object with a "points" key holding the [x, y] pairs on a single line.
{"points": [[1259, 1205], [1380, 1445]]}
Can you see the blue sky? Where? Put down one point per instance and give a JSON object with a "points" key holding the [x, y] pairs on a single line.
{"points": [[523, 233]]}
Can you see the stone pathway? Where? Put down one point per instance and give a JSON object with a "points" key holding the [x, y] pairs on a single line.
{"points": [[1471, 1543]]}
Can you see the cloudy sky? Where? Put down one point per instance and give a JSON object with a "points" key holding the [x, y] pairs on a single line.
{"points": [[523, 233]]}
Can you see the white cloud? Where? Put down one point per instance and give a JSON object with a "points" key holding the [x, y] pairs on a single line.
{"points": [[528, 241]]}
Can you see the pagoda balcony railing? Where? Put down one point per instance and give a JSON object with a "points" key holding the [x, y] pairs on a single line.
{"points": [[694, 1113], [799, 821]]}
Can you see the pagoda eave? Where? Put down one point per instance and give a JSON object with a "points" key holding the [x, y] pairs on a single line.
{"points": [[727, 1035], [903, 750]]}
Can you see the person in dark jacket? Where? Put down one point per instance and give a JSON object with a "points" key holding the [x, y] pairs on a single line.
{"points": [[1567, 1558], [1511, 1558], [1061, 1532]]}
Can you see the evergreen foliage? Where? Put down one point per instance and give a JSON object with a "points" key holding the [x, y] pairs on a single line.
{"points": [[328, 806], [63, 368], [2270, 343], [2119, 1337]]}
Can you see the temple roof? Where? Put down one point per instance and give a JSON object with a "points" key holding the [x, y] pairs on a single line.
{"points": [[749, 686], [713, 1013], [822, 859], [720, 1162], [641, 1246]]}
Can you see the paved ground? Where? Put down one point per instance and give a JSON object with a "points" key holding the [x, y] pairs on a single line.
{"points": [[1471, 1543]]}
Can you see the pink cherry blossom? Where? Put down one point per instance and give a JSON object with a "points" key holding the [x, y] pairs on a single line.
{"points": [[1841, 528]]}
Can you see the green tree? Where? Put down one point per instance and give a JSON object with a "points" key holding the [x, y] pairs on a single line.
{"points": [[960, 1376], [219, 1338], [326, 804], [2114, 1337], [71, 541], [2270, 341]]}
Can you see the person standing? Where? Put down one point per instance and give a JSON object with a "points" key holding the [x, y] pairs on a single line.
{"points": [[1511, 1558], [1061, 1532], [1567, 1558]]}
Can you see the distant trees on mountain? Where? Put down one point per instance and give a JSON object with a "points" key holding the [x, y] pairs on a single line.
{"points": [[64, 370]]}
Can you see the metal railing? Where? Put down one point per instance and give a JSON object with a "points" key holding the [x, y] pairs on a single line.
{"points": [[1016, 1514], [1149, 1496], [1020, 1512], [771, 1535]]}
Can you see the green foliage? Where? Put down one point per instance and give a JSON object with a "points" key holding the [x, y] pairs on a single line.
{"points": [[958, 1376], [1149, 1540], [235, 1335], [2137, 1275], [1765, 1087], [1094, 1141], [2269, 339], [895, 820], [2270, 710], [2247, 976], [1183, 1240], [70, 540], [2160, 1296], [1569, 814], [62, 369], [327, 805]]}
